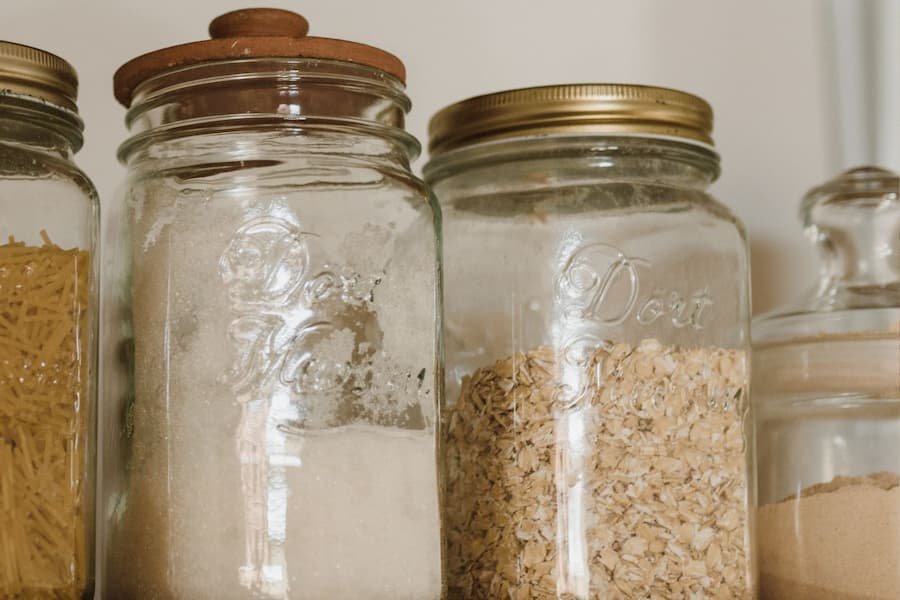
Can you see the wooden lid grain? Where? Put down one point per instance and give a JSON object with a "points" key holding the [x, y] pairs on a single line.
{"points": [[252, 33]]}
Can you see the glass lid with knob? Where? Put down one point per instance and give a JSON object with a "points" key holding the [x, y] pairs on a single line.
{"points": [[854, 220]]}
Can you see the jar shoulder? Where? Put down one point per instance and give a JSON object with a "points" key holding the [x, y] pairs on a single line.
{"points": [[23, 163], [591, 200], [298, 178]]}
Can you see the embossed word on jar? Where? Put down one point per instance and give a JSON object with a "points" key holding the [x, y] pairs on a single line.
{"points": [[600, 283]]}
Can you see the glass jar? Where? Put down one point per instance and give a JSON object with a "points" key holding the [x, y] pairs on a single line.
{"points": [[826, 391], [595, 430], [48, 332], [278, 440]]}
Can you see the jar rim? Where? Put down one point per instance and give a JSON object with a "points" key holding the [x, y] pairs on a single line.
{"points": [[225, 95], [780, 328], [298, 71], [220, 125], [525, 144], [65, 122]]}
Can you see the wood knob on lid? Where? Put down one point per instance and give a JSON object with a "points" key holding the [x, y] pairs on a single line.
{"points": [[259, 22]]}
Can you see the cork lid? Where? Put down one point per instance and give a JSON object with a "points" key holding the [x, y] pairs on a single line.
{"points": [[252, 33]]}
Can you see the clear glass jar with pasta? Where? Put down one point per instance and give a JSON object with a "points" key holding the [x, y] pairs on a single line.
{"points": [[48, 332]]}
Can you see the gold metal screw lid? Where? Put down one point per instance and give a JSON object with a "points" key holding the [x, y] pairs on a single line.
{"points": [[33, 72], [605, 108]]}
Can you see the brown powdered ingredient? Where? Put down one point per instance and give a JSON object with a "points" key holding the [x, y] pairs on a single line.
{"points": [[622, 475], [839, 541], [43, 337]]}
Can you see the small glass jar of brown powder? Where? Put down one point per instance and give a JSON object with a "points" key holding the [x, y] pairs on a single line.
{"points": [[826, 391], [48, 332], [596, 330]]}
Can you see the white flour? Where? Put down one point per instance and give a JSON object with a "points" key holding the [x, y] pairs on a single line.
{"points": [[283, 422], [357, 510]]}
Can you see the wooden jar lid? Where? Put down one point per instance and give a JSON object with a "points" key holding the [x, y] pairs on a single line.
{"points": [[252, 33]]}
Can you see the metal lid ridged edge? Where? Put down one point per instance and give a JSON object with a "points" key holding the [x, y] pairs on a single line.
{"points": [[34, 72], [572, 108]]}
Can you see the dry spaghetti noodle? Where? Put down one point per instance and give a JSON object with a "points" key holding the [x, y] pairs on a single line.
{"points": [[43, 391]]}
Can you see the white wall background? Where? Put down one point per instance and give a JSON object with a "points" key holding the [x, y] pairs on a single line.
{"points": [[765, 66]]}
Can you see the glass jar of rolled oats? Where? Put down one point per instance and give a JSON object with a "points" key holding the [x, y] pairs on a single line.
{"points": [[595, 429], [826, 393]]}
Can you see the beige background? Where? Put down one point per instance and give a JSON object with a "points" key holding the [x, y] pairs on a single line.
{"points": [[764, 66]]}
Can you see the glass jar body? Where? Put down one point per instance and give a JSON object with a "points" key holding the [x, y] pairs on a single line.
{"points": [[828, 430], [828, 427], [48, 309], [595, 427], [278, 436], [826, 391]]}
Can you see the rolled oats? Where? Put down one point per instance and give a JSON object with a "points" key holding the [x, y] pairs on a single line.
{"points": [[620, 476]]}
